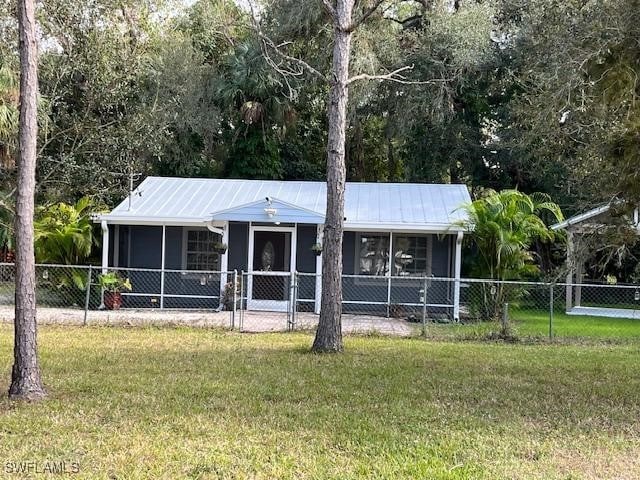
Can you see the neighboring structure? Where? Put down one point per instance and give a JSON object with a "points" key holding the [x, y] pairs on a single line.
{"points": [[392, 231], [593, 221]]}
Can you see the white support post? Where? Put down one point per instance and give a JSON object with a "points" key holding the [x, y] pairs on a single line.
{"points": [[570, 266], [116, 245], [105, 246], [293, 267], [390, 265], [105, 255], [249, 287], [456, 285], [579, 274], [319, 239], [224, 259], [162, 265]]}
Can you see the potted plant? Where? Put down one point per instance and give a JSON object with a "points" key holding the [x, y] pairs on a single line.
{"points": [[316, 248], [220, 247], [112, 283]]}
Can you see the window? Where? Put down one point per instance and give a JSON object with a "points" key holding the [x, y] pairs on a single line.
{"points": [[199, 253], [372, 254], [412, 255]]}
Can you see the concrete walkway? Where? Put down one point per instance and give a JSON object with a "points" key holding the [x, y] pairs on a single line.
{"points": [[252, 321]]}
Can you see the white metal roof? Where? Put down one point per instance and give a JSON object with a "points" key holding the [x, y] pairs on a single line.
{"points": [[595, 212], [412, 206], [576, 219]]}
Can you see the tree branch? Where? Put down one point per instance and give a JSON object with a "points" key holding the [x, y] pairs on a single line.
{"points": [[301, 63], [365, 15], [395, 76], [287, 67], [329, 9]]}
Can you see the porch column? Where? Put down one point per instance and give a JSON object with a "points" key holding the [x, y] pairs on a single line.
{"points": [[319, 237], [105, 246], [162, 264], [579, 273], [116, 245], [224, 259], [105, 255], [456, 284], [569, 279]]}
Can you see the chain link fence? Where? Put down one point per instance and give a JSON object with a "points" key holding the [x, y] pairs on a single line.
{"points": [[277, 301], [74, 295]]}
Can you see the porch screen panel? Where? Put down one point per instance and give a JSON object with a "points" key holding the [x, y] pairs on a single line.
{"points": [[373, 254]]}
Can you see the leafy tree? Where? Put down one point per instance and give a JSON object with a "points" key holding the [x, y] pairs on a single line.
{"points": [[574, 115]]}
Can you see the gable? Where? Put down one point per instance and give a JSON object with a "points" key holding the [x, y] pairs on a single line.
{"points": [[272, 211]]}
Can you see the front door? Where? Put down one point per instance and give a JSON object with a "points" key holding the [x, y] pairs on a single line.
{"points": [[271, 267]]}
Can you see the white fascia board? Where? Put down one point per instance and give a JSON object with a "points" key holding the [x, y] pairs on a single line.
{"points": [[201, 222], [404, 228], [168, 221]]}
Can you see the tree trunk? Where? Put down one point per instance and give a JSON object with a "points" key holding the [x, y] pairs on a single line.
{"points": [[25, 375], [329, 334]]}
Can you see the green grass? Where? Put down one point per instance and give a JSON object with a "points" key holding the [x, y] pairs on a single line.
{"points": [[177, 403], [534, 323]]}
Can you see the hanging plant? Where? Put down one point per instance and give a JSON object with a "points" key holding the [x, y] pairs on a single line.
{"points": [[220, 248]]}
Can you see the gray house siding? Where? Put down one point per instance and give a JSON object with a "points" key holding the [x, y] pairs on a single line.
{"points": [[238, 246], [306, 263], [348, 253], [305, 258]]}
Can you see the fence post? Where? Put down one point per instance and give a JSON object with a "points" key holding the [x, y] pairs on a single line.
{"points": [[505, 319], [424, 307], [294, 307], [241, 323], [87, 296], [389, 294], [551, 292], [235, 299]]}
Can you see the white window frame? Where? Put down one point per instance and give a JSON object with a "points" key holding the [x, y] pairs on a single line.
{"points": [[428, 253], [185, 248]]}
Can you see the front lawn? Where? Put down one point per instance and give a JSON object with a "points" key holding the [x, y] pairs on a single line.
{"points": [[132, 403]]}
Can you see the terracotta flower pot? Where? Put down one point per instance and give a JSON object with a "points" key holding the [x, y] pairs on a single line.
{"points": [[112, 300]]}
